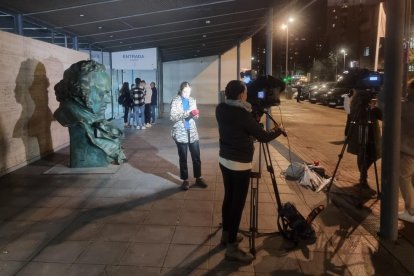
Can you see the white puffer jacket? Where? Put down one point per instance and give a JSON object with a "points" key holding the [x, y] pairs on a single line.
{"points": [[177, 115]]}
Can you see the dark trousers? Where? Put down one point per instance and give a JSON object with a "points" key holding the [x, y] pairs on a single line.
{"points": [[365, 159], [147, 113], [195, 157], [236, 186], [126, 110]]}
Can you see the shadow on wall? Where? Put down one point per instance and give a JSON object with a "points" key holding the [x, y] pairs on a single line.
{"points": [[33, 125]]}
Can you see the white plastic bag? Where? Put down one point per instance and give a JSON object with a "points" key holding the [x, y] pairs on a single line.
{"points": [[313, 180], [295, 170]]}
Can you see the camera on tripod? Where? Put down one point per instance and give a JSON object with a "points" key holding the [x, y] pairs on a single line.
{"points": [[263, 93]]}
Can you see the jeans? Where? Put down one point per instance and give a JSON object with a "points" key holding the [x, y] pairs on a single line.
{"points": [[126, 111], [131, 115], [153, 113], [236, 187], [407, 181], [147, 113], [195, 156], [139, 115]]}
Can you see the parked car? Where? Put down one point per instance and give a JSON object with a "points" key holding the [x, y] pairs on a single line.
{"points": [[335, 97], [317, 95]]}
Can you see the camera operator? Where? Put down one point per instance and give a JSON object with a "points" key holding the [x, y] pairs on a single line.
{"points": [[365, 135], [407, 156], [237, 130]]}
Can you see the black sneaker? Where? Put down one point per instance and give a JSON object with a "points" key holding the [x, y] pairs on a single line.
{"points": [[200, 183], [186, 185]]}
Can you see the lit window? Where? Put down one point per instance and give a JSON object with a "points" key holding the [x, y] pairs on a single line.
{"points": [[366, 51]]}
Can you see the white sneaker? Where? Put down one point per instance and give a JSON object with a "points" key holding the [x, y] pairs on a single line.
{"points": [[137, 127], [405, 216], [148, 125], [143, 127]]}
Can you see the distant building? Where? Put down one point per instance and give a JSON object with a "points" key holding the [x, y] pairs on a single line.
{"points": [[352, 26]]}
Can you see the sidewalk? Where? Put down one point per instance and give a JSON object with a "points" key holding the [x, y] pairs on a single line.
{"points": [[134, 220]]}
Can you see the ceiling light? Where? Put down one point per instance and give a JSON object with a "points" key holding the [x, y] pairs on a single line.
{"points": [[120, 42], [204, 35], [100, 27], [111, 36], [81, 15], [208, 21]]}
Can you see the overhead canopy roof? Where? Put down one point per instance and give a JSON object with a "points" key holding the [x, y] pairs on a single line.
{"points": [[181, 29]]}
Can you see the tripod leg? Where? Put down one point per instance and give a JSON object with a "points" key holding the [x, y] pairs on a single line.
{"points": [[253, 212]]}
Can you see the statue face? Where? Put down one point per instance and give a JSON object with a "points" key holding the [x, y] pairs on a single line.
{"points": [[99, 92]]}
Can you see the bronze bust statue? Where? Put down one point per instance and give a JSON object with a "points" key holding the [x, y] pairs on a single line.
{"points": [[83, 95]]}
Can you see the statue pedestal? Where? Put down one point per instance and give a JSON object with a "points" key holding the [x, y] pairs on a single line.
{"points": [[84, 154]]}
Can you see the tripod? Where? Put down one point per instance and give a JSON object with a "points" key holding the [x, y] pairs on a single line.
{"points": [[364, 129], [291, 224]]}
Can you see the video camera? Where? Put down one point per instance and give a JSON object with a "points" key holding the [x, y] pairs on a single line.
{"points": [[264, 92]]}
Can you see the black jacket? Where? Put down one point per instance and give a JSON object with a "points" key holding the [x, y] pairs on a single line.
{"points": [[237, 129]]}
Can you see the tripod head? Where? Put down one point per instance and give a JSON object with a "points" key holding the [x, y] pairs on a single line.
{"points": [[260, 113]]}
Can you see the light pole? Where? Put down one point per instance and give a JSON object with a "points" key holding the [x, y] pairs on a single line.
{"points": [[343, 51], [285, 26]]}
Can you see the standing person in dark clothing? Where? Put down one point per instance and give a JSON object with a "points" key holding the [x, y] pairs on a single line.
{"points": [[148, 96], [237, 130], [299, 88], [138, 102], [125, 100], [154, 99], [365, 138]]}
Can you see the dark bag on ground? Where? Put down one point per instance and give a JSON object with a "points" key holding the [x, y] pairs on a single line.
{"points": [[293, 225]]}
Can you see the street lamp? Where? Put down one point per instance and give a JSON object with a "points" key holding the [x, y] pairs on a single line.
{"points": [[285, 26], [343, 51]]}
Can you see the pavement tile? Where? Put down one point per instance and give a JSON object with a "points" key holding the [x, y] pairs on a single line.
{"points": [[101, 252], [21, 250], [273, 262], [129, 270], [65, 252], [154, 233], [118, 232], [44, 269], [145, 254], [189, 218], [81, 231], [85, 269], [192, 235], [10, 267], [187, 256], [162, 217], [198, 205]]}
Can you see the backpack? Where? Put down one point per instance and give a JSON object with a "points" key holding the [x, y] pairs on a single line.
{"points": [[121, 99]]}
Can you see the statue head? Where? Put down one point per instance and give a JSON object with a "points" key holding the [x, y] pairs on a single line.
{"points": [[87, 83]]}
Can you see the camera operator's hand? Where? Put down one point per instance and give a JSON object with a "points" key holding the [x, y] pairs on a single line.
{"points": [[281, 129]]}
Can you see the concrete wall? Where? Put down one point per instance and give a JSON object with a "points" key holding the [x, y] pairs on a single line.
{"points": [[202, 73], [29, 70]]}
